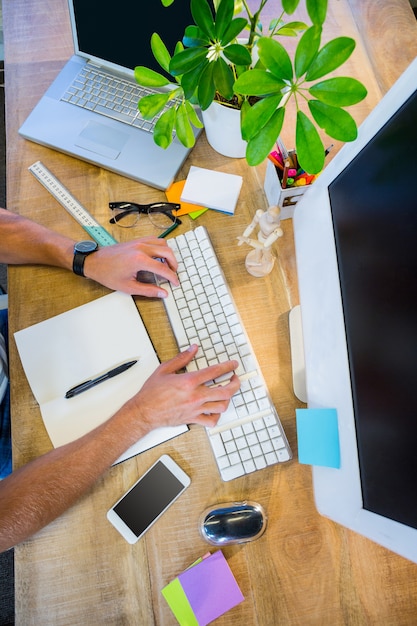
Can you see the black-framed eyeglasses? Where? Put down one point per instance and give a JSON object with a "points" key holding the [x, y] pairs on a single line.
{"points": [[160, 214]]}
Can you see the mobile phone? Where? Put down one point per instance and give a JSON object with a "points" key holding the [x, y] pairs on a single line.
{"points": [[149, 497]]}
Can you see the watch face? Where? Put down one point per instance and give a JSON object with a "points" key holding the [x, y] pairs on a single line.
{"points": [[85, 246]]}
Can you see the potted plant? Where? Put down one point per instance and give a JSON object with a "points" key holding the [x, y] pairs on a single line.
{"points": [[209, 64]]}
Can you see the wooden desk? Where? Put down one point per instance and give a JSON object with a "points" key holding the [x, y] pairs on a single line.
{"points": [[78, 570]]}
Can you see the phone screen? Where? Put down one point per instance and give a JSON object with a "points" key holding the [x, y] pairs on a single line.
{"points": [[140, 507]]}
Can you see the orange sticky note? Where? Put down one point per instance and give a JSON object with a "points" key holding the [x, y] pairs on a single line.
{"points": [[173, 194]]}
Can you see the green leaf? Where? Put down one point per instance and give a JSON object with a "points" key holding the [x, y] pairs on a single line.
{"points": [[206, 88], [203, 17], [330, 57], [234, 29], [337, 122], [160, 51], [309, 147], [238, 6], [275, 58], [223, 78], [261, 145], [148, 78], [224, 16], [183, 127], [258, 115], [190, 80], [299, 26], [258, 83], [192, 115], [292, 29], [317, 10], [339, 91], [274, 24], [194, 38], [178, 47], [162, 133], [151, 105], [307, 49], [237, 54], [187, 60], [244, 110], [289, 6]]}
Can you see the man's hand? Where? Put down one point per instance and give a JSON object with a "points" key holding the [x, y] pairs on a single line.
{"points": [[169, 398], [117, 266]]}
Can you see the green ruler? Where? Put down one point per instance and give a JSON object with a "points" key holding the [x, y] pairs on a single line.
{"points": [[70, 204]]}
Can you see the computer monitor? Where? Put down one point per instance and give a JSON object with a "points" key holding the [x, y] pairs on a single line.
{"points": [[356, 250]]}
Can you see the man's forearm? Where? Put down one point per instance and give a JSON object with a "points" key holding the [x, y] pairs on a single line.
{"points": [[24, 241], [35, 495]]}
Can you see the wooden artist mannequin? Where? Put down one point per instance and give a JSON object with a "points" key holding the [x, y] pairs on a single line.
{"points": [[260, 261]]}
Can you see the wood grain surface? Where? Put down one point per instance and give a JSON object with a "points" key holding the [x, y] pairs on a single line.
{"points": [[305, 570]]}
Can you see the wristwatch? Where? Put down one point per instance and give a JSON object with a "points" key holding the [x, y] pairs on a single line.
{"points": [[81, 250]]}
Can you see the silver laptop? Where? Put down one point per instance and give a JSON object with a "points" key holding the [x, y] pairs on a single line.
{"points": [[110, 39]]}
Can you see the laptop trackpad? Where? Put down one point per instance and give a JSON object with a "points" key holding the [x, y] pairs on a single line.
{"points": [[101, 139]]}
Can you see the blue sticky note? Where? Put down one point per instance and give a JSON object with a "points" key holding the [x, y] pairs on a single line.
{"points": [[318, 437]]}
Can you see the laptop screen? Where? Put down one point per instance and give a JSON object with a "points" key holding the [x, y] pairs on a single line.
{"points": [[120, 32]]}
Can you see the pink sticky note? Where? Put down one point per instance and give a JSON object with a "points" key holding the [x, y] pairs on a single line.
{"points": [[211, 588]]}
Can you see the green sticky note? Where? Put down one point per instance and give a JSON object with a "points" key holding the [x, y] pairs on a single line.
{"points": [[175, 596], [318, 437], [196, 214]]}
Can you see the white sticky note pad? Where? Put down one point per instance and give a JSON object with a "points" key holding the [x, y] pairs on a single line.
{"points": [[216, 190]]}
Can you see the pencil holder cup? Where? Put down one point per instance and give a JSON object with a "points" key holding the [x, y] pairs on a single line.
{"points": [[286, 199]]}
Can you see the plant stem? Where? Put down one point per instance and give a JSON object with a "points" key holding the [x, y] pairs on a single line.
{"points": [[253, 19]]}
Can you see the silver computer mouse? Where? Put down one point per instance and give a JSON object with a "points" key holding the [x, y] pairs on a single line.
{"points": [[232, 522]]}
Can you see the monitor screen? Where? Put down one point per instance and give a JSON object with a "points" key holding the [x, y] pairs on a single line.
{"points": [[374, 209], [356, 244]]}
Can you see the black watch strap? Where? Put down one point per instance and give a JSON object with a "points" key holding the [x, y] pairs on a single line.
{"points": [[78, 263], [80, 256]]}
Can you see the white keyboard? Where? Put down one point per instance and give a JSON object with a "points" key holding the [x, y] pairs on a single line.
{"points": [[249, 435]]}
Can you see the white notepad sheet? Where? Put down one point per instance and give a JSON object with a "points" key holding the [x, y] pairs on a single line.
{"points": [[212, 189], [78, 345]]}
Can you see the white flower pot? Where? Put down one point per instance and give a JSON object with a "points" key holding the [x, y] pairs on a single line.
{"points": [[222, 125]]}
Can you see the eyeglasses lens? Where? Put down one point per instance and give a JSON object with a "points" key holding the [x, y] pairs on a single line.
{"points": [[125, 218], [161, 220]]}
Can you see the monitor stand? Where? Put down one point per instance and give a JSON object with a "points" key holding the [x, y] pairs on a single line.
{"points": [[297, 354]]}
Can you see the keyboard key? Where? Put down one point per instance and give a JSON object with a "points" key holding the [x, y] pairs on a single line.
{"points": [[217, 445], [260, 462], [223, 461], [230, 447], [245, 454], [283, 455], [248, 428], [271, 458], [234, 471], [256, 450], [249, 466], [234, 458]]}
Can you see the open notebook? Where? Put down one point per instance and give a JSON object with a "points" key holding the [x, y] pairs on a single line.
{"points": [[67, 349]]}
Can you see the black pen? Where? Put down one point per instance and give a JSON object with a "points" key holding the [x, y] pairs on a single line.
{"points": [[74, 391]]}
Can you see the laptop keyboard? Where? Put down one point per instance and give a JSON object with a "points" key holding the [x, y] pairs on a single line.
{"points": [[249, 435], [109, 95]]}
